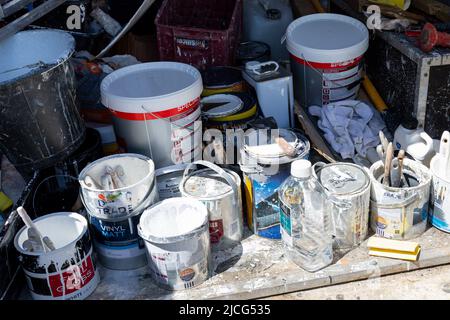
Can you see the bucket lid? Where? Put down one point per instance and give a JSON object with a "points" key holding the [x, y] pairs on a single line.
{"points": [[172, 219], [327, 38], [221, 77], [33, 51], [151, 87], [262, 145], [343, 178], [206, 184], [221, 105], [248, 111]]}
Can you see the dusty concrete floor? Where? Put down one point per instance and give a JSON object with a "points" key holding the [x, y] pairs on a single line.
{"points": [[426, 284]]}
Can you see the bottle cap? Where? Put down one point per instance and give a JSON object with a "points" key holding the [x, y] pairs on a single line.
{"points": [[301, 169], [410, 123]]}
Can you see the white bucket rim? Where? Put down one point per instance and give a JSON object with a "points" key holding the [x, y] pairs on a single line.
{"points": [[406, 163], [176, 238], [434, 162], [73, 215], [83, 173], [159, 103], [323, 55]]}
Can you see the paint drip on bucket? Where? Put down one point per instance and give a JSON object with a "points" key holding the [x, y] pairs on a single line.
{"points": [[67, 273]]}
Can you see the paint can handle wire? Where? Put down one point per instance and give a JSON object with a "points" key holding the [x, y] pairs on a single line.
{"points": [[220, 172]]}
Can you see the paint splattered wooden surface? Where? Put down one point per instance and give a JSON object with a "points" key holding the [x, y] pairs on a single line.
{"points": [[259, 268]]}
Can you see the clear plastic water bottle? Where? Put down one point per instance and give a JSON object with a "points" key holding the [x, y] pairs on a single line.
{"points": [[305, 216]]}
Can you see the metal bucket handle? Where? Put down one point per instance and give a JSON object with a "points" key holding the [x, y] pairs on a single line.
{"points": [[219, 171]]}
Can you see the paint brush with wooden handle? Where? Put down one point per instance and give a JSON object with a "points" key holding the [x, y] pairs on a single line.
{"points": [[387, 164], [290, 150], [33, 230], [395, 174], [401, 157]]}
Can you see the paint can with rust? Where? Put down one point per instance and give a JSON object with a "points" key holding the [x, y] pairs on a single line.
{"points": [[348, 188], [67, 273], [177, 241], [220, 191], [400, 213]]}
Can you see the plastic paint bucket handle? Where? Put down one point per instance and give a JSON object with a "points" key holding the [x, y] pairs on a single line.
{"points": [[219, 171]]}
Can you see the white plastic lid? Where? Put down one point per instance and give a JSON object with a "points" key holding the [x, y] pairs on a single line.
{"points": [[301, 169], [327, 38]]}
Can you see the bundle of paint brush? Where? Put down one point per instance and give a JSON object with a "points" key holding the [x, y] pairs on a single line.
{"points": [[393, 166], [36, 242], [111, 179]]}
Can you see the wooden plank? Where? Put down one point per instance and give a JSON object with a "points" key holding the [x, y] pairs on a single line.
{"points": [[259, 268], [29, 18], [433, 8]]}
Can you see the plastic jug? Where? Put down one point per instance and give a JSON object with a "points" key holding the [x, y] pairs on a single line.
{"points": [[267, 21], [415, 141]]}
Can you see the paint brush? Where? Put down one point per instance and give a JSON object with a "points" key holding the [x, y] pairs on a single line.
{"points": [[287, 148], [401, 157], [395, 173], [91, 183], [384, 141], [387, 164], [381, 153]]}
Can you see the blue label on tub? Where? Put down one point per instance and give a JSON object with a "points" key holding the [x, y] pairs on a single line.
{"points": [[438, 219], [106, 231]]}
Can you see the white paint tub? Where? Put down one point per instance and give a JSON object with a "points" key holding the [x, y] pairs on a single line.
{"points": [[440, 203], [177, 240], [400, 213], [326, 53], [155, 106], [67, 273], [140, 191]]}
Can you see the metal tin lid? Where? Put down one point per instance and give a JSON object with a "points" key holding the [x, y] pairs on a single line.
{"points": [[343, 178], [221, 77], [262, 145], [221, 105], [206, 183]]}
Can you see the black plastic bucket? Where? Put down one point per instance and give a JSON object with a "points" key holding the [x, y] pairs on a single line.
{"points": [[40, 124]]}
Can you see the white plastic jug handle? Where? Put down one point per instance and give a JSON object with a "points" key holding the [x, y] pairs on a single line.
{"points": [[428, 140], [254, 68], [219, 171]]}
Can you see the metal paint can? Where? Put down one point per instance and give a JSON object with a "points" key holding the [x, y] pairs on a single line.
{"points": [[265, 167], [220, 191], [117, 242], [168, 181], [140, 191], [67, 273], [400, 213], [218, 79], [440, 203], [348, 188], [177, 241]]}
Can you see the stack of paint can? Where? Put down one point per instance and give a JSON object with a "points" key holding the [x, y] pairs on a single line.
{"points": [[115, 191]]}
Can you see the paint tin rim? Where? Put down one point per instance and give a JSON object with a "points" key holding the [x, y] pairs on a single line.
{"points": [[73, 215], [171, 239], [83, 173]]}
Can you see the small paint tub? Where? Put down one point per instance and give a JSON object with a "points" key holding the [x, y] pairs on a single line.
{"points": [[67, 273], [326, 53], [440, 203], [220, 191], [140, 191], [168, 181], [400, 213], [177, 241], [348, 189], [266, 166], [117, 242]]}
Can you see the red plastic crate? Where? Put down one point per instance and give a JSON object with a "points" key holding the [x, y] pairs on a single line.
{"points": [[199, 32]]}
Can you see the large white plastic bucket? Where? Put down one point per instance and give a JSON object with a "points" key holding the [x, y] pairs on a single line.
{"points": [[155, 106], [326, 53], [177, 240]]}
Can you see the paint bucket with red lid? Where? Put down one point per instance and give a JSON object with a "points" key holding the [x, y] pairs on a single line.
{"points": [[326, 53], [155, 107]]}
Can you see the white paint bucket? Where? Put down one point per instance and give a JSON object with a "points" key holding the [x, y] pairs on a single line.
{"points": [[139, 193], [348, 189], [220, 191], [326, 53], [440, 203], [177, 240], [67, 273], [400, 213], [154, 108]]}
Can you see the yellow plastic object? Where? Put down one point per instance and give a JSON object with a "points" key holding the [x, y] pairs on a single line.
{"points": [[402, 4], [317, 6], [238, 116], [373, 94], [5, 202], [237, 87], [395, 249]]}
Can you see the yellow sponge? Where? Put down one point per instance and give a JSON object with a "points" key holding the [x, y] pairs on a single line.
{"points": [[394, 249]]}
